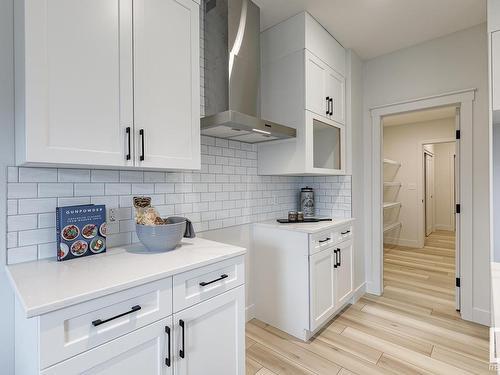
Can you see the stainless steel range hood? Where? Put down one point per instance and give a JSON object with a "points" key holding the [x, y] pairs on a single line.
{"points": [[232, 74]]}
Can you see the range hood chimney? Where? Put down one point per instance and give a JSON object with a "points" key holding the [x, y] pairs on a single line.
{"points": [[232, 74]]}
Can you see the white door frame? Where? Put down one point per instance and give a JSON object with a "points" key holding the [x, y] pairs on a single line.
{"points": [[464, 100], [425, 193]]}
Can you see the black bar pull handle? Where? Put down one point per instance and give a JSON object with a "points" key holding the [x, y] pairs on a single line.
{"points": [[222, 277], [346, 232], [98, 322], [127, 131], [331, 106], [335, 261], [327, 105], [167, 360], [340, 258], [141, 133], [181, 351], [326, 239]]}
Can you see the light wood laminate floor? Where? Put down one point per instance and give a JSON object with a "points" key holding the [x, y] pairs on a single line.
{"points": [[412, 329]]}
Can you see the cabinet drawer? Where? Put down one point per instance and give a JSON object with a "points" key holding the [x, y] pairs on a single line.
{"points": [[323, 240], [75, 329], [345, 233], [203, 283]]}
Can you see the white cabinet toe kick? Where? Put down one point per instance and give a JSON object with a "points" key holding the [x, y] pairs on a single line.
{"points": [[304, 278]]}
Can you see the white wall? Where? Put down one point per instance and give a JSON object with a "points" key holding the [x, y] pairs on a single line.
{"points": [[454, 62], [444, 177], [403, 143], [6, 158]]}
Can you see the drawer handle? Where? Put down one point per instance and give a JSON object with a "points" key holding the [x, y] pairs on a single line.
{"points": [[181, 351], [222, 277], [326, 239], [167, 360], [98, 322], [346, 232]]}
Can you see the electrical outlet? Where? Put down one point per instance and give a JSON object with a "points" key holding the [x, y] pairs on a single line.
{"points": [[112, 215]]}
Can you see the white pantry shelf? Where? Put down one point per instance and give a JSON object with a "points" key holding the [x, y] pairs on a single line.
{"points": [[393, 226], [391, 204], [392, 162]]}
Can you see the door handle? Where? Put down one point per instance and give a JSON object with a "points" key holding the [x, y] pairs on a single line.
{"points": [[181, 351], [327, 105], [222, 277], [169, 352], [335, 261], [331, 106], [127, 131], [141, 134], [98, 322], [340, 258]]}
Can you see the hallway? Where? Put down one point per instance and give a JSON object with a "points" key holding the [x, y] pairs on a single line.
{"points": [[412, 329]]}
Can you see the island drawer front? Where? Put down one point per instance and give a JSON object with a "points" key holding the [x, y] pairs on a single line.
{"points": [[76, 329], [323, 240], [194, 286]]}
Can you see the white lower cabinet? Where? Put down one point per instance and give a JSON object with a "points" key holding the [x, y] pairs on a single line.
{"points": [[344, 280], [151, 329], [208, 336], [143, 351], [322, 279]]}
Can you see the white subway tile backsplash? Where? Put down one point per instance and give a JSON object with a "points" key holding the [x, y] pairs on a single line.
{"points": [[37, 175], [21, 222], [73, 175], [55, 190], [35, 206], [227, 191], [18, 190]]}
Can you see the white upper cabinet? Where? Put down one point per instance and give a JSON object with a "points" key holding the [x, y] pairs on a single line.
{"points": [[88, 72], [303, 84], [167, 83]]}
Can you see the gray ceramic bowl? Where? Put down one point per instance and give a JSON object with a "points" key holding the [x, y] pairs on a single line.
{"points": [[160, 238]]}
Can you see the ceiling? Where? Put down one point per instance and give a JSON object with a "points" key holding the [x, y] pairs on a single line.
{"points": [[420, 116], [376, 27]]}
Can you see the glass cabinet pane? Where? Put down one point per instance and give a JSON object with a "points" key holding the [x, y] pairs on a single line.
{"points": [[327, 145]]}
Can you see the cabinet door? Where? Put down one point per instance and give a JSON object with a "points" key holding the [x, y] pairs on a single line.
{"points": [[317, 98], [210, 336], [77, 92], [344, 273], [495, 69], [167, 83], [335, 87], [144, 352], [322, 284]]}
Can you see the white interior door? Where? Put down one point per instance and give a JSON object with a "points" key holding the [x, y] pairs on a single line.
{"points": [[167, 83], [429, 193], [322, 267], [210, 336], [143, 352], [78, 81]]}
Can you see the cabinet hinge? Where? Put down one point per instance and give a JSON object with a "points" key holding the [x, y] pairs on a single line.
{"points": [[457, 282], [457, 134], [457, 209]]}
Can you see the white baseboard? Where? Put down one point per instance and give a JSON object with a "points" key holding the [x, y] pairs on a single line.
{"points": [[481, 316], [401, 242], [250, 312], [358, 293], [371, 289]]}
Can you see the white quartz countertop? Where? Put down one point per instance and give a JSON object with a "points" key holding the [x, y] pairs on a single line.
{"points": [[306, 227], [47, 285], [495, 292]]}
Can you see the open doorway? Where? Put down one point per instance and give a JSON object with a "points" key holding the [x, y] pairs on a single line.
{"points": [[421, 257]]}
